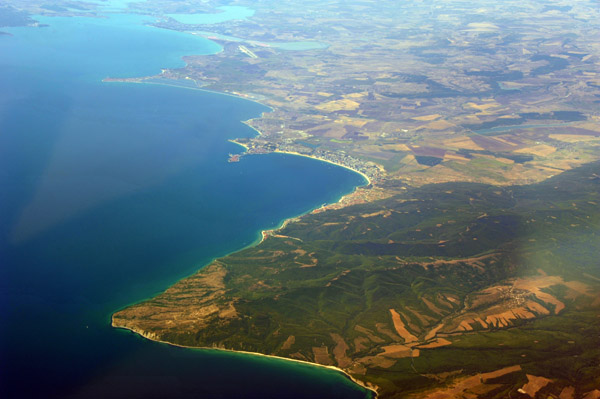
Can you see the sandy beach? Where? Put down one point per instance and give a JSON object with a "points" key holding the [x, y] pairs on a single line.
{"points": [[151, 337]]}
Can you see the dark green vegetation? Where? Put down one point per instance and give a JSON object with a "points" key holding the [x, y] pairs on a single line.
{"points": [[429, 161], [411, 292]]}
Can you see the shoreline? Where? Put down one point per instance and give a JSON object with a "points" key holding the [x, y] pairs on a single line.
{"points": [[146, 80], [329, 162], [149, 337], [263, 233]]}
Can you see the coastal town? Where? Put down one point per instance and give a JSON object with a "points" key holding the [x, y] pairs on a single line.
{"points": [[370, 170]]}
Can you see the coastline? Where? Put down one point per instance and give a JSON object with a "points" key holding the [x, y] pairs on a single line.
{"points": [[328, 161], [146, 80], [285, 222], [263, 234], [150, 337]]}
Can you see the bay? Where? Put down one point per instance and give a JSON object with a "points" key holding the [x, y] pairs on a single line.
{"points": [[110, 192]]}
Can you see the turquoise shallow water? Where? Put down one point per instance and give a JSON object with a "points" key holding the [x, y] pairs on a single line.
{"points": [[111, 192]]}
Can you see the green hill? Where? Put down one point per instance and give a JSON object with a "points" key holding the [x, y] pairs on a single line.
{"points": [[414, 293]]}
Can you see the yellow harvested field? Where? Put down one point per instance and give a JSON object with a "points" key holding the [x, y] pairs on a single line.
{"points": [[482, 107], [455, 157], [595, 394], [464, 387], [433, 332], [480, 321], [505, 160], [534, 384], [486, 296], [564, 164], [514, 85], [535, 284], [567, 393], [432, 307], [393, 147], [410, 325], [465, 326], [335, 131], [504, 315], [399, 351], [500, 139], [383, 329], [288, 342], [463, 142], [504, 319], [573, 138], [499, 373], [324, 94], [579, 287], [549, 169], [594, 126], [369, 334], [339, 352], [427, 118], [401, 328], [499, 159], [385, 214], [438, 125], [338, 105], [540, 150], [359, 343], [536, 307], [321, 355], [424, 319], [409, 160], [228, 312], [356, 95], [352, 121], [377, 361]]}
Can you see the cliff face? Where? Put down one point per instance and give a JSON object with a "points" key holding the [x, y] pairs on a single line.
{"points": [[190, 305], [432, 285]]}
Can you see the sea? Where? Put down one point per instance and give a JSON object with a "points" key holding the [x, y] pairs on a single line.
{"points": [[110, 193]]}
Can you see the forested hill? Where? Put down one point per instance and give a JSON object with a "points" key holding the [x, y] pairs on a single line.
{"points": [[416, 293]]}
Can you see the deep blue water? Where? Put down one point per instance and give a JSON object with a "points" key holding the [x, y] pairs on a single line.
{"points": [[109, 193]]}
